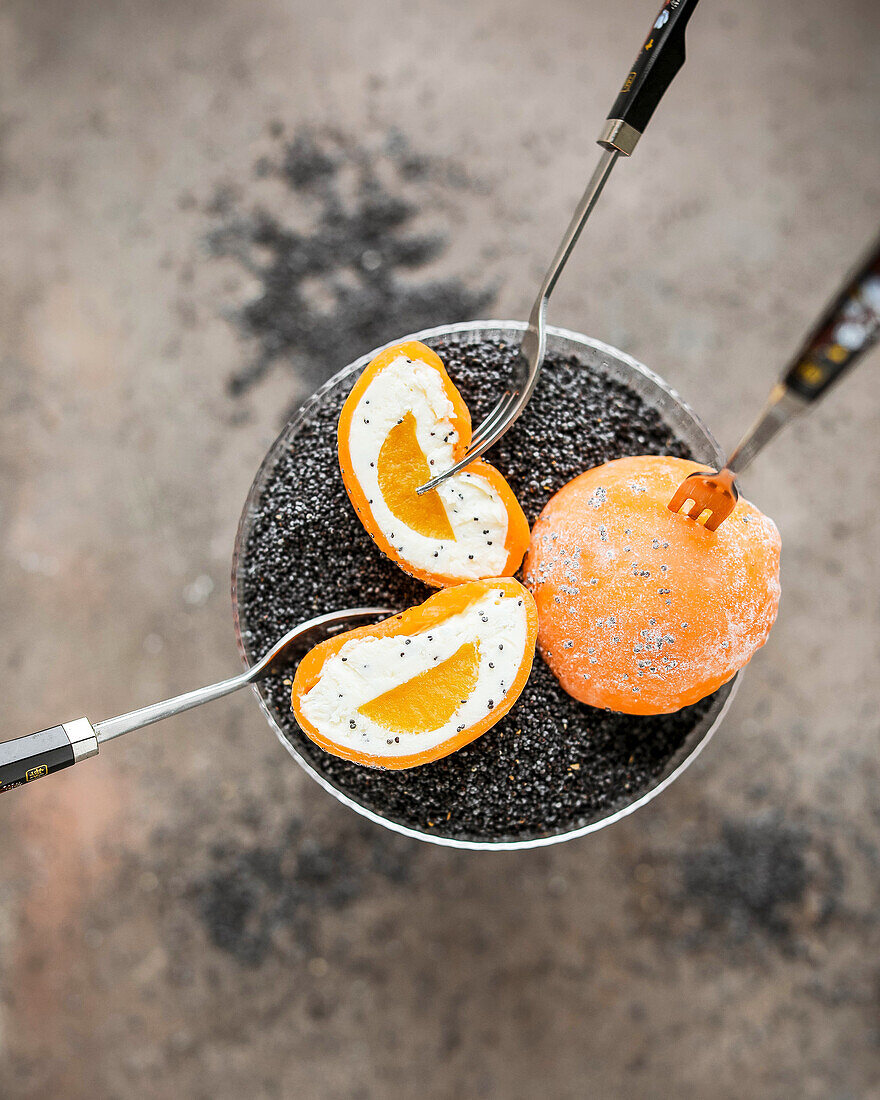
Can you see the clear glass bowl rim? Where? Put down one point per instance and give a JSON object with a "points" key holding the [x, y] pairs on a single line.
{"points": [[559, 340]]}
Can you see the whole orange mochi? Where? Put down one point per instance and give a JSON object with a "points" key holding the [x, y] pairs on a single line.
{"points": [[641, 610]]}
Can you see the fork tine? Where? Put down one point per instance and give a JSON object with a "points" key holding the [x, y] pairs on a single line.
{"points": [[680, 497], [489, 426], [712, 493], [435, 482], [483, 432], [721, 510], [713, 520], [497, 415]]}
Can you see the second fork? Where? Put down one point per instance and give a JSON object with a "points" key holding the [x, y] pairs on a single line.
{"points": [[659, 59]]}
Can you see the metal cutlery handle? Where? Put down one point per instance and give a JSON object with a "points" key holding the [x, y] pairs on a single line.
{"points": [[37, 754], [659, 59], [653, 70], [167, 708], [848, 327]]}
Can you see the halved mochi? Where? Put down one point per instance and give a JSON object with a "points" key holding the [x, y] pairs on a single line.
{"points": [[422, 684], [404, 422]]}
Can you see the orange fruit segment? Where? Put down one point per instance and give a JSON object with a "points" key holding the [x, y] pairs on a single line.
{"points": [[402, 468], [642, 610], [403, 422], [418, 686], [428, 700]]}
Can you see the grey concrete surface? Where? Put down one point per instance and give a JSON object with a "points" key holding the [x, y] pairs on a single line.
{"points": [[188, 915]]}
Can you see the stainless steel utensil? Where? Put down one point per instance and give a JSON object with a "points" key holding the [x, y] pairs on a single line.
{"points": [[849, 326], [37, 754], [659, 59]]}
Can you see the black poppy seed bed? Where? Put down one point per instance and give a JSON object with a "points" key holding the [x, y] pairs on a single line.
{"points": [[552, 765]]}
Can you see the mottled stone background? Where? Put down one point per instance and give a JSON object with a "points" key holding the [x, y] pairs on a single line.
{"points": [[188, 915]]}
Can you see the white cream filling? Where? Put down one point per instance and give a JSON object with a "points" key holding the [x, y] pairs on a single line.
{"points": [[475, 510], [366, 668]]}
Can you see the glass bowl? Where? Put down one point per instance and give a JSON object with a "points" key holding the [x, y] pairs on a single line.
{"points": [[595, 356]]}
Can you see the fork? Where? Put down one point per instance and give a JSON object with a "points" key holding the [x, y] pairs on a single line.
{"points": [[849, 326], [653, 70], [37, 754]]}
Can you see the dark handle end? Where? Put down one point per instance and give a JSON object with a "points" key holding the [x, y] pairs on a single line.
{"points": [[659, 59], [848, 328], [25, 759]]}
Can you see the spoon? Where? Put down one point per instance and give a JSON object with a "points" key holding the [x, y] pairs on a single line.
{"points": [[37, 754]]}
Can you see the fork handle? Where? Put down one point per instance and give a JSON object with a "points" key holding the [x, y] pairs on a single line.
{"points": [[653, 70], [848, 328], [31, 757]]}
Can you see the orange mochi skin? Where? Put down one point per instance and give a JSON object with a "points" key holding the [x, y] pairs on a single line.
{"points": [[403, 467], [642, 610], [430, 698]]}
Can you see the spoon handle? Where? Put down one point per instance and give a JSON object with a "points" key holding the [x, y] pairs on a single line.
{"points": [[26, 758], [37, 754], [167, 708]]}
